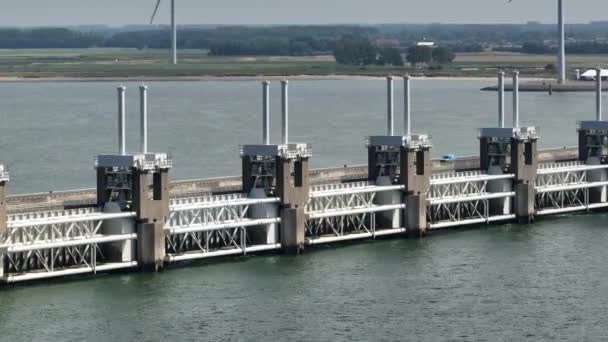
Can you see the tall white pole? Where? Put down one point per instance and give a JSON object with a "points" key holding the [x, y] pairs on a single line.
{"points": [[407, 106], [390, 130], [516, 99], [598, 95], [266, 112], [173, 34], [285, 112], [501, 99], [121, 120], [561, 58], [143, 106]]}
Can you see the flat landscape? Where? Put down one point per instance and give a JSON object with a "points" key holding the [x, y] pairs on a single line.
{"points": [[116, 62]]}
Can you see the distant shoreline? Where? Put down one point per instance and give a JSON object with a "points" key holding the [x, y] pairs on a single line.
{"points": [[237, 78]]}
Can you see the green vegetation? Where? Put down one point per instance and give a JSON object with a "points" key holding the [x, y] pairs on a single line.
{"points": [[104, 62], [352, 50]]}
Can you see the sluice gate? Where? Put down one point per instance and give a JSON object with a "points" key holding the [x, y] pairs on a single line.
{"points": [[136, 224]]}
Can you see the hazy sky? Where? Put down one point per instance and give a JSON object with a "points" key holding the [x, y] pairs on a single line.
{"points": [[118, 12]]}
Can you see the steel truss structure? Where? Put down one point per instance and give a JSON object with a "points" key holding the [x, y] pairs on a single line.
{"points": [[51, 244], [213, 226], [463, 198], [565, 187], [347, 211]]}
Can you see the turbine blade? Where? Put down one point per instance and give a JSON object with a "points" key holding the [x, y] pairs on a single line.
{"points": [[155, 10]]}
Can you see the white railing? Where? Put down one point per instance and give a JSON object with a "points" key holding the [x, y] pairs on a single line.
{"points": [[347, 211], [567, 187], [213, 226], [58, 243], [463, 198]]}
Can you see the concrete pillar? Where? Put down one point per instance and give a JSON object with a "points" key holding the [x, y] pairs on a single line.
{"points": [[2, 208], [152, 210], [292, 230], [151, 246], [294, 196], [524, 164], [3, 228], [597, 195], [416, 177]]}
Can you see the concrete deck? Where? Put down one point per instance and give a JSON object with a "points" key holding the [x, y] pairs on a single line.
{"points": [[546, 86]]}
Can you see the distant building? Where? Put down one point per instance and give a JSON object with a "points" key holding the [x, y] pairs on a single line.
{"points": [[426, 43]]}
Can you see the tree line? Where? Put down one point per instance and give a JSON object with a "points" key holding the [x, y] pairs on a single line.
{"points": [[313, 40], [352, 50]]}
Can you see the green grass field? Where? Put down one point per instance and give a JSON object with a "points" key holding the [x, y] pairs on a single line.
{"points": [[104, 62]]}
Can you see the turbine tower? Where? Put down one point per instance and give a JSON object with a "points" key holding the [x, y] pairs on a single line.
{"points": [[173, 29], [561, 55], [561, 58]]}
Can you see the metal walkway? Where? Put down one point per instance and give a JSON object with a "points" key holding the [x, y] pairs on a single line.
{"points": [[342, 212], [206, 227], [566, 187], [60, 243], [463, 198]]}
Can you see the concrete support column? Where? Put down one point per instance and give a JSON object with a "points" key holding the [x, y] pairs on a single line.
{"points": [[292, 230], [415, 217], [3, 228], [524, 164], [416, 177], [151, 246], [2, 208], [597, 195], [152, 210], [294, 196]]}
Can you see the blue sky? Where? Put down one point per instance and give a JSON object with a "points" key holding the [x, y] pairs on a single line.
{"points": [[119, 12]]}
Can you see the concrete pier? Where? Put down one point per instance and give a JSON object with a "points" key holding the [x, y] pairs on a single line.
{"points": [[4, 178], [279, 171], [593, 150], [268, 168], [415, 175], [124, 184], [524, 165], [548, 86]]}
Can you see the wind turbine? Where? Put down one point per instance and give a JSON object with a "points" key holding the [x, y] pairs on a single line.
{"points": [[173, 29], [561, 56]]}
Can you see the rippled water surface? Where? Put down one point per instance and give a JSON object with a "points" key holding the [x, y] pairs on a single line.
{"points": [[51, 131], [542, 282]]}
